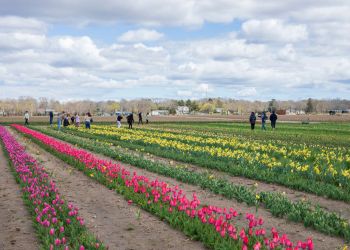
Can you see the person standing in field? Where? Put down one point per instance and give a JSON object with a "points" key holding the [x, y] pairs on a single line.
{"points": [[252, 120], [72, 119], [59, 121], [66, 120], [26, 118], [273, 119], [119, 120], [130, 120], [140, 118], [51, 118], [147, 118], [77, 120], [88, 120], [263, 121]]}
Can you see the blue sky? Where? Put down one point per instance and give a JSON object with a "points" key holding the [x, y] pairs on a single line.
{"points": [[185, 49]]}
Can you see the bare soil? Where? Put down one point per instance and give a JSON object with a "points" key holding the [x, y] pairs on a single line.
{"points": [[107, 214], [295, 231], [16, 230]]}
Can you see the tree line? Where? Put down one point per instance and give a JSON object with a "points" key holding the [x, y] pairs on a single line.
{"points": [[206, 105]]}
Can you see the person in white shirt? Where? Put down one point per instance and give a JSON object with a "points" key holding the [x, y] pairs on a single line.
{"points": [[26, 118]]}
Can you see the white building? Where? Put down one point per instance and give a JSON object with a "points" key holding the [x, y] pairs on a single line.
{"points": [[219, 110], [160, 112], [295, 112], [182, 110]]}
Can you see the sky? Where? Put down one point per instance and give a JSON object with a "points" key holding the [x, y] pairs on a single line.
{"points": [[183, 49]]}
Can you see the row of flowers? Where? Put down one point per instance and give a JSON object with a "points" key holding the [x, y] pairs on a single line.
{"points": [[241, 165], [58, 224], [172, 204], [278, 204], [320, 163]]}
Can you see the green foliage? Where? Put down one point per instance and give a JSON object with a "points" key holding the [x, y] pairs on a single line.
{"points": [[278, 204]]}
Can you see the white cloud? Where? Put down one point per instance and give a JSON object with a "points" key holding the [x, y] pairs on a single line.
{"points": [[21, 40], [247, 92], [20, 24], [189, 67], [287, 52], [184, 93], [140, 35], [303, 48], [204, 88], [273, 30], [190, 13]]}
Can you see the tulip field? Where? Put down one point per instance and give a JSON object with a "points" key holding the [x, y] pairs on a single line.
{"points": [[207, 185]]}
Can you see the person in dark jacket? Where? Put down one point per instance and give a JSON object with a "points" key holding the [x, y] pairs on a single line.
{"points": [[273, 119], [72, 118], [119, 120], [263, 120], [130, 120], [66, 121], [252, 119], [51, 118], [140, 118]]}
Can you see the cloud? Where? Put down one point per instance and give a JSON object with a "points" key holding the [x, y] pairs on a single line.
{"points": [[273, 30], [247, 92], [21, 25], [21, 40], [140, 35], [288, 48], [191, 13], [184, 93], [287, 52]]}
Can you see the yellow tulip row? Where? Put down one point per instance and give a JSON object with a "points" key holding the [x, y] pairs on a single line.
{"points": [[321, 162]]}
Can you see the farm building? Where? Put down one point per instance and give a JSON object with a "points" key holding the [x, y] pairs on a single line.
{"points": [[160, 112], [295, 112], [182, 110]]}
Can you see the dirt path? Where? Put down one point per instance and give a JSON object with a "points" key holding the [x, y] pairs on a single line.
{"points": [[16, 230], [294, 230], [106, 213]]}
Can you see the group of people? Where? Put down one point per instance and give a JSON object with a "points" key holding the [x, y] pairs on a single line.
{"points": [[67, 119], [130, 119], [272, 118]]}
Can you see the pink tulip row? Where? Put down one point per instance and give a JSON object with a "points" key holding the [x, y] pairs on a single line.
{"points": [[223, 220], [52, 214]]}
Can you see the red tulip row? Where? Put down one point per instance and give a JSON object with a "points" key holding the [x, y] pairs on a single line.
{"points": [[223, 220]]}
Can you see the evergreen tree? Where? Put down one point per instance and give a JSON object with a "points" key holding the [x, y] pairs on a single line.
{"points": [[309, 106], [272, 105]]}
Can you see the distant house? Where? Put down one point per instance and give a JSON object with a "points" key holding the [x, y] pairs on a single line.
{"points": [[160, 112], [295, 112], [219, 110], [182, 110]]}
